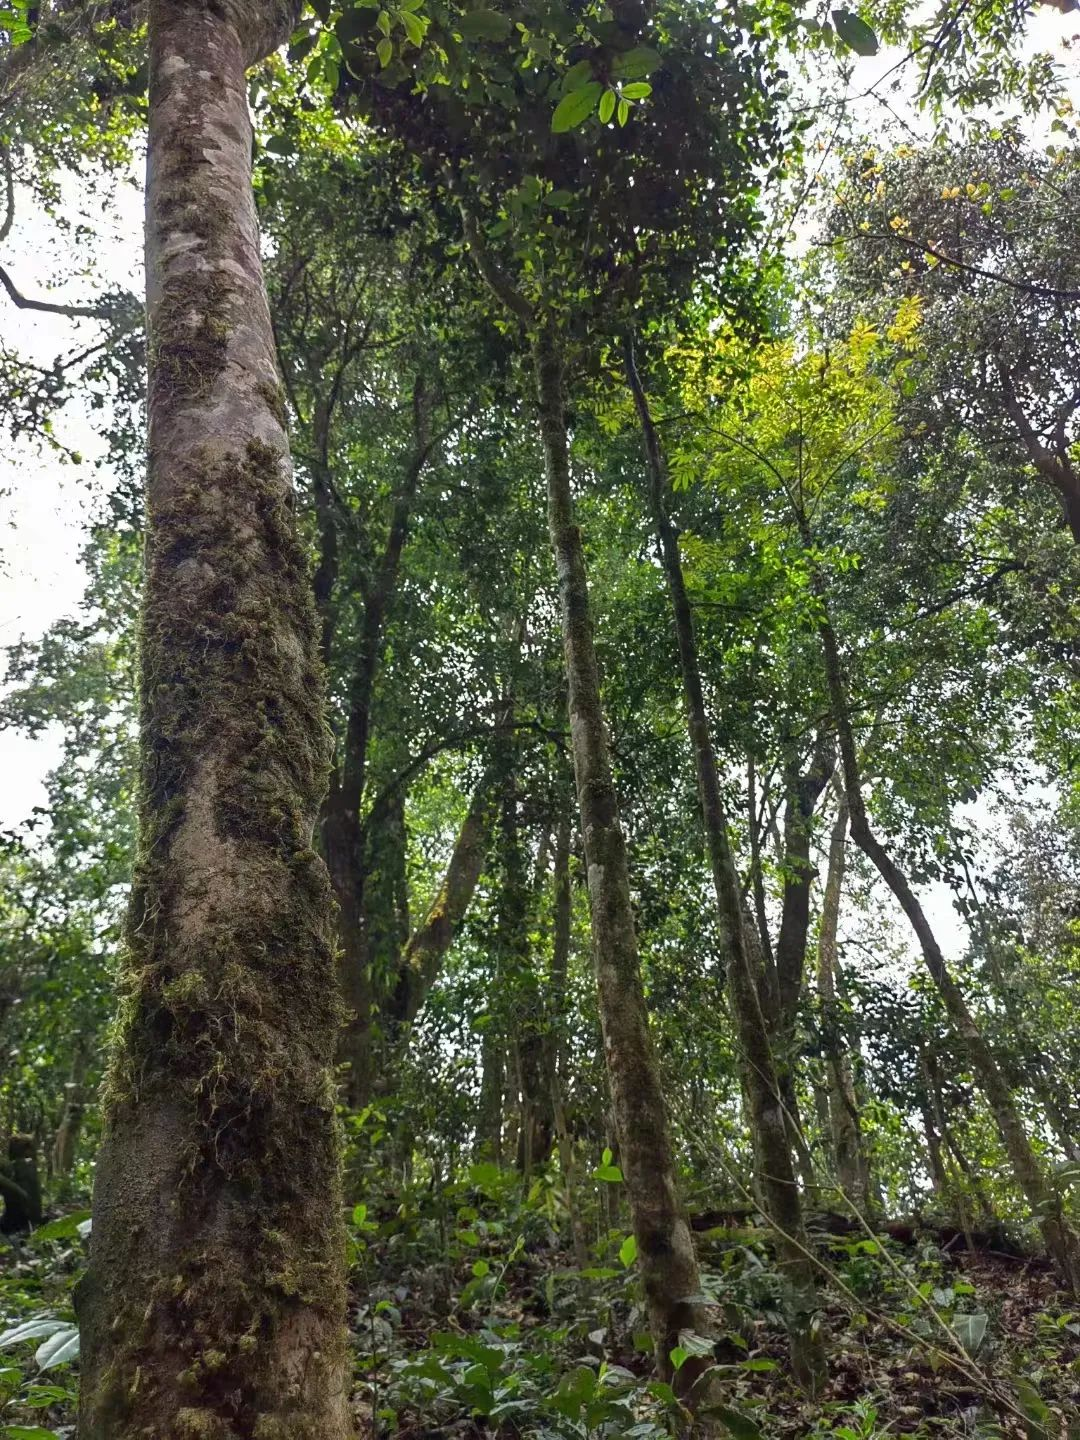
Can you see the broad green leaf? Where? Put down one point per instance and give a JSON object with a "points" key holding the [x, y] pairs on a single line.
{"points": [[485, 1176], [637, 90], [636, 63], [58, 1349], [575, 108], [624, 112], [32, 1330], [385, 51], [854, 32], [607, 106], [67, 1227], [739, 1424], [414, 27], [678, 1357], [628, 1251], [575, 77], [483, 25]]}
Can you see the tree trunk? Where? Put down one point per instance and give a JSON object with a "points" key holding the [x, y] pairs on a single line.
{"points": [[428, 944], [849, 1156], [560, 964], [20, 1186], [489, 1114], [344, 837], [780, 1193], [66, 1141], [1062, 1241], [214, 1301], [935, 1164], [665, 1248]]}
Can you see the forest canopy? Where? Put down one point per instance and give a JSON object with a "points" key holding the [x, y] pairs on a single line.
{"points": [[539, 890]]}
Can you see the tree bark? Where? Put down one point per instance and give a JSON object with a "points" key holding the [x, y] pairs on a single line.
{"points": [[665, 1248], [213, 1305], [780, 1193], [428, 944], [1062, 1241], [849, 1155], [343, 832]]}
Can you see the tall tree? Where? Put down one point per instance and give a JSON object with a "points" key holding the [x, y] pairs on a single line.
{"points": [[213, 1302]]}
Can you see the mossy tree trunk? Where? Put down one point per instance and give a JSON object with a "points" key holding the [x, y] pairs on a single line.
{"points": [[213, 1306], [845, 1129], [1062, 1240], [665, 1248], [780, 1193]]}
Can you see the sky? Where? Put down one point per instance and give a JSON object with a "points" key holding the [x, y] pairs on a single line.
{"points": [[44, 503]]}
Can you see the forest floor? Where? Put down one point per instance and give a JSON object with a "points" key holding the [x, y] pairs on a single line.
{"points": [[471, 1321]]}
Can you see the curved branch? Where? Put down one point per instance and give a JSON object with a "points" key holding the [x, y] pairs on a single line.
{"points": [[72, 312]]}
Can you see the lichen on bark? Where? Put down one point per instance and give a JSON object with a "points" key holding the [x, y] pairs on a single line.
{"points": [[213, 1304]]}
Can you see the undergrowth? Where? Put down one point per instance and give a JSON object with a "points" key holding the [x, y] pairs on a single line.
{"points": [[469, 1318]]}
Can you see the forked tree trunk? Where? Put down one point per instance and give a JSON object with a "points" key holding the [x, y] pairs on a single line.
{"points": [[213, 1306], [1062, 1240], [780, 1193], [665, 1248], [849, 1155]]}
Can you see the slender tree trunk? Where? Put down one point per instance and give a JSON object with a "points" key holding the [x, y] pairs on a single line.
{"points": [[343, 832], [429, 942], [66, 1142], [849, 1156], [936, 1165], [1062, 1241], [489, 1114], [214, 1301], [780, 1193], [560, 964], [757, 874], [665, 1248]]}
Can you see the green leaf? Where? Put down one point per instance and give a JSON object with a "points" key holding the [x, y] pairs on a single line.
{"points": [[414, 27], [59, 1349], [559, 199], [29, 1432], [483, 25], [624, 112], [32, 1330], [611, 1173], [486, 1177], [678, 1357], [636, 63], [740, 1425], [607, 106], [67, 1227], [480, 1268], [575, 77], [628, 1251], [854, 32], [575, 108], [385, 51], [637, 90]]}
